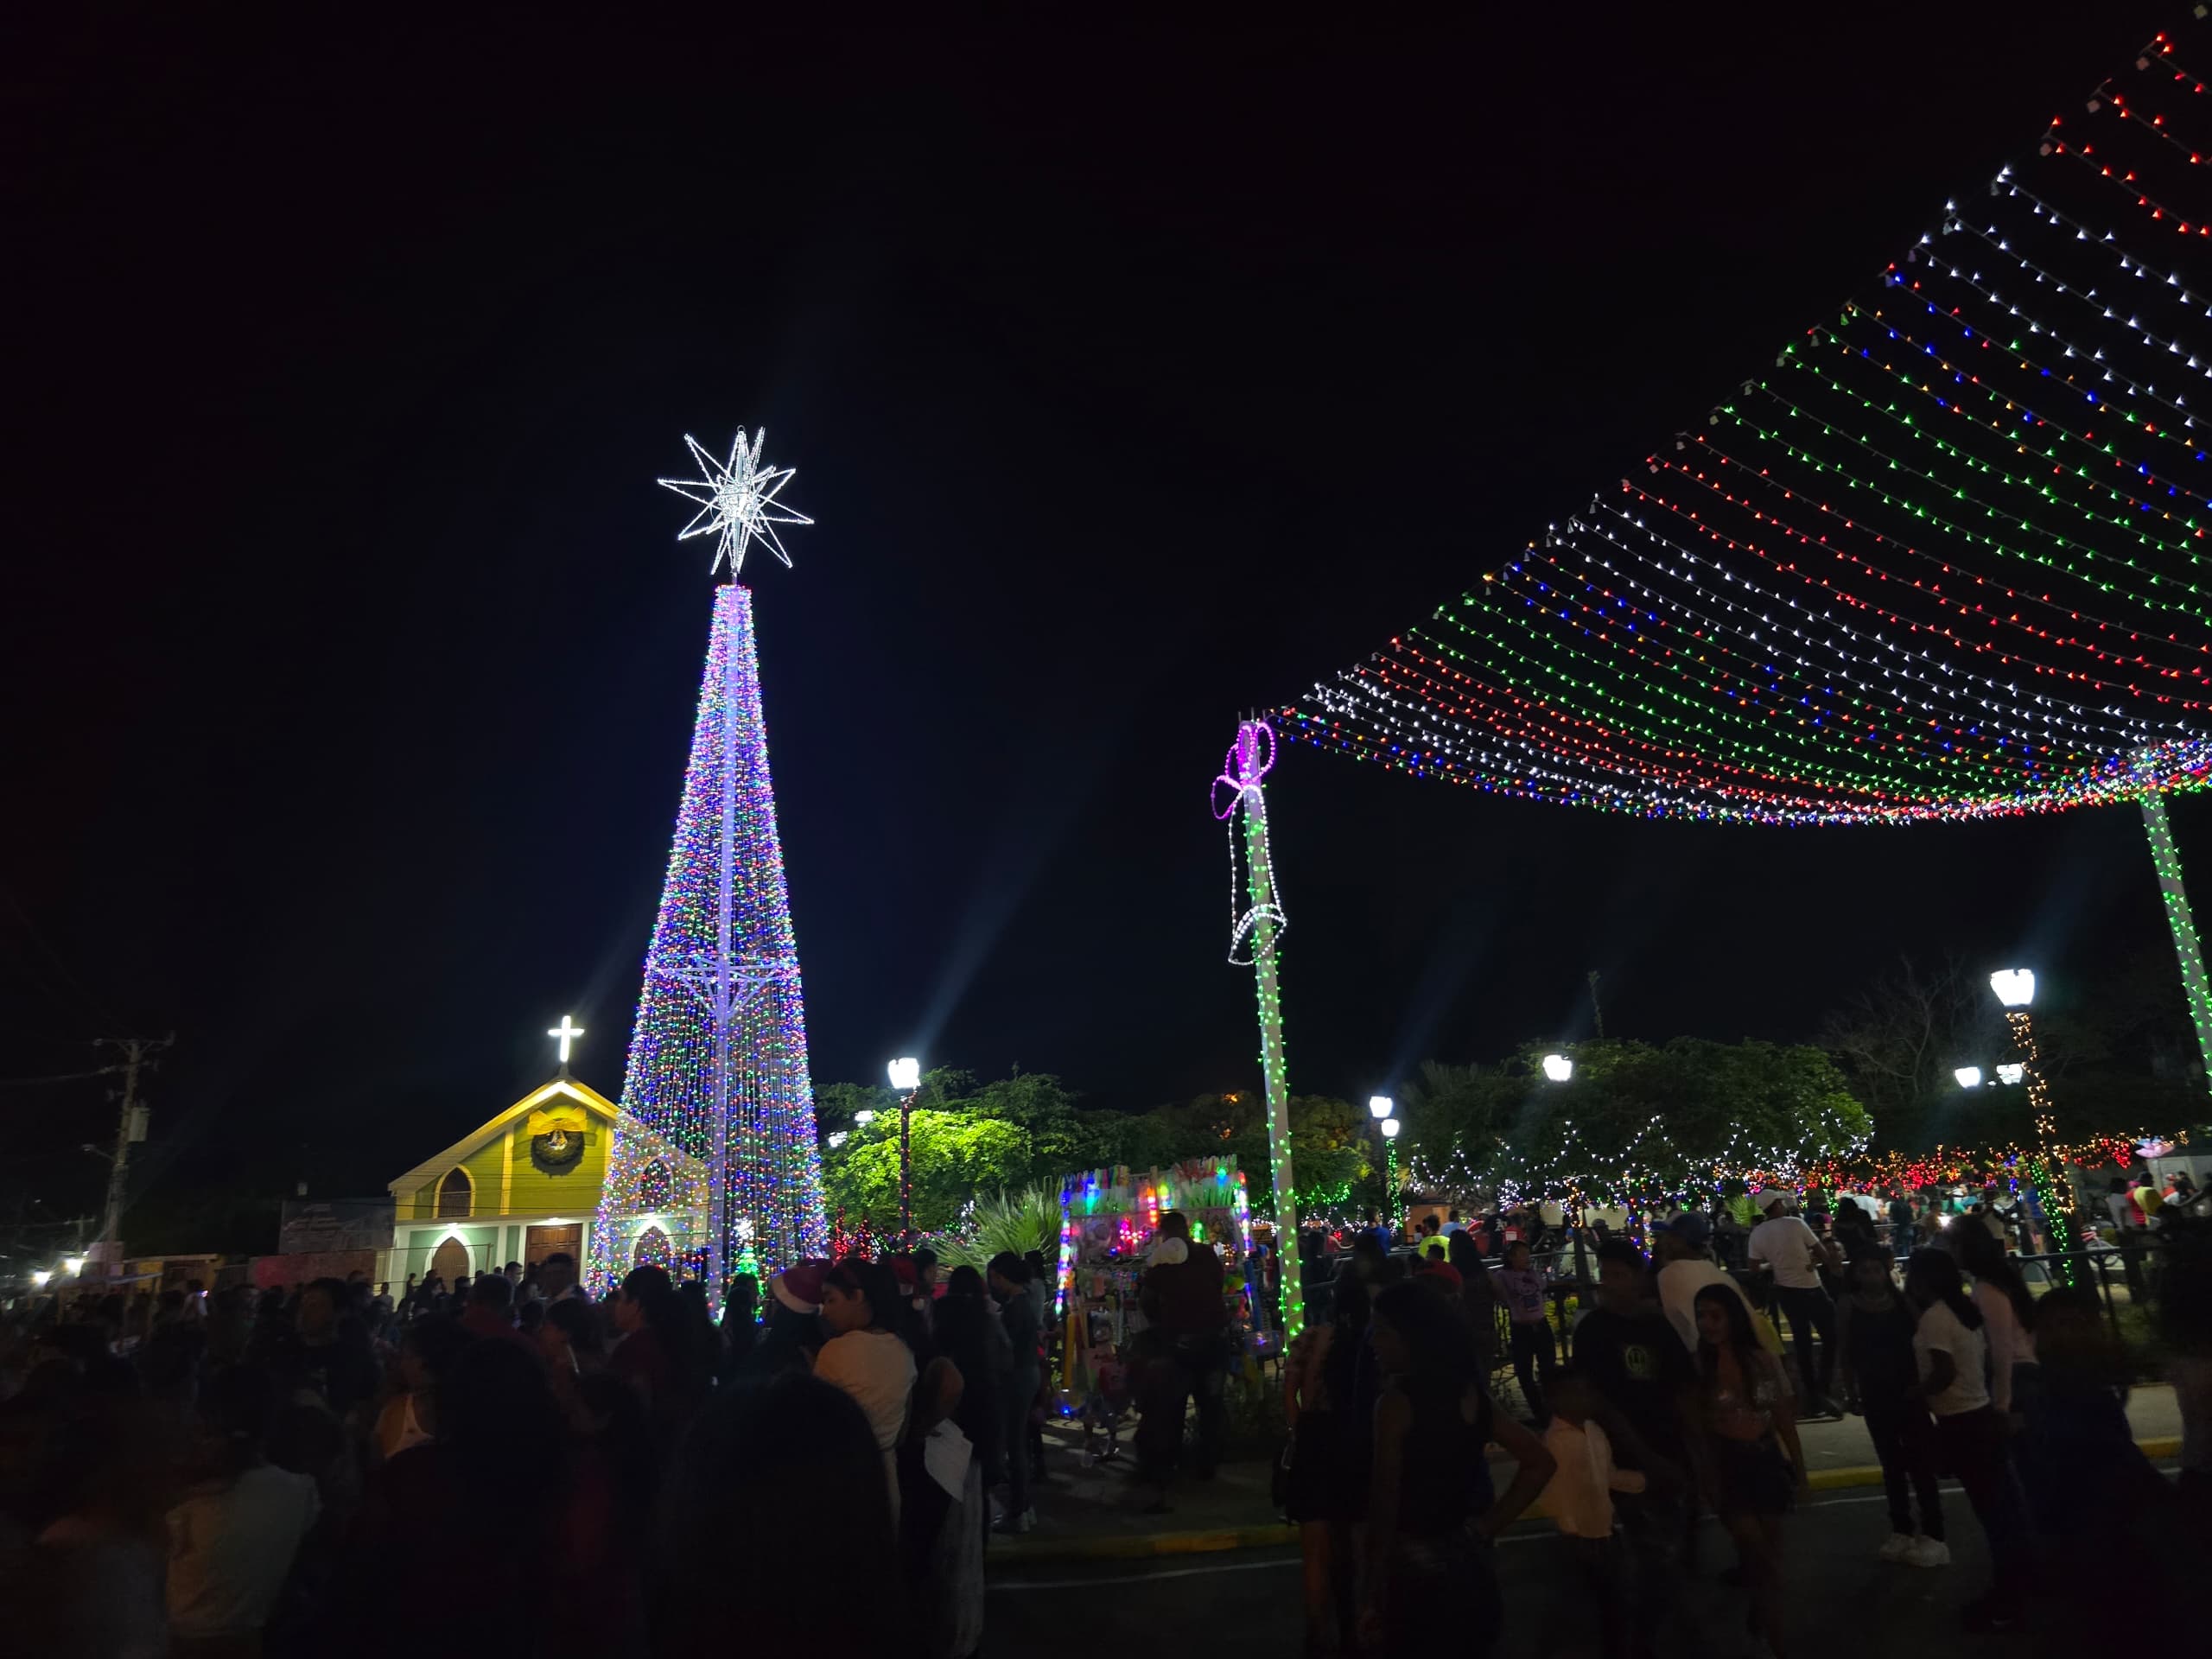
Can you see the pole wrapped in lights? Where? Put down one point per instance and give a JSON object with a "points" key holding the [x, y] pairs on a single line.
{"points": [[907, 1078], [1256, 924], [2165, 858], [718, 1067], [2016, 990], [1949, 558]]}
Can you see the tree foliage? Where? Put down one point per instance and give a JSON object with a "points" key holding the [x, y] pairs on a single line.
{"points": [[956, 1156]]}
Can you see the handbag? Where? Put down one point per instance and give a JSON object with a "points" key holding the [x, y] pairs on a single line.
{"points": [[1279, 1475]]}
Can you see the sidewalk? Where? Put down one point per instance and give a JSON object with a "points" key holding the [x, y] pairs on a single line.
{"points": [[1096, 1513]]}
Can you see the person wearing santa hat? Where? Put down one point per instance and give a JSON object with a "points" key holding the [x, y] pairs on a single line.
{"points": [[793, 1333]]}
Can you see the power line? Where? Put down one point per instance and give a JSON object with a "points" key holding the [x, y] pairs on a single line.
{"points": [[59, 1077]]}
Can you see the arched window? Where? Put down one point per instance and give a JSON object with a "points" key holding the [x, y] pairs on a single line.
{"points": [[655, 1188], [654, 1248], [456, 1193]]}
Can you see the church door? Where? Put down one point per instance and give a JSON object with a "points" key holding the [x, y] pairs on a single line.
{"points": [[450, 1261], [541, 1242]]}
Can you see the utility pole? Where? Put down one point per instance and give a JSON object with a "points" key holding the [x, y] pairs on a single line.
{"points": [[138, 1053]]}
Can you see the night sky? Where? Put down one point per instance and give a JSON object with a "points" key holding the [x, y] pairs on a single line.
{"points": [[1133, 379]]}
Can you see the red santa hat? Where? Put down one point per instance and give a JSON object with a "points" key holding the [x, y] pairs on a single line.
{"points": [[799, 1286]]}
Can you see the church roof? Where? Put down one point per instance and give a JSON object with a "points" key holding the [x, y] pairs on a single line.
{"points": [[561, 1087]]}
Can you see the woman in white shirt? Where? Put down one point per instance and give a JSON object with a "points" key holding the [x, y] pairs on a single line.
{"points": [[866, 1358], [1950, 1352], [2008, 1315]]}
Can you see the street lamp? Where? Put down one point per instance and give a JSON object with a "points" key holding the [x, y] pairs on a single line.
{"points": [[1969, 1076], [907, 1078], [1558, 1067], [41, 1277], [2009, 1076], [74, 1266], [1379, 1107], [2015, 989]]}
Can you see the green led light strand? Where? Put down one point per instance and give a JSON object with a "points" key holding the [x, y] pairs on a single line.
{"points": [[1822, 543], [1259, 929], [1963, 378], [1930, 589], [1936, 520], [2165, 859]]}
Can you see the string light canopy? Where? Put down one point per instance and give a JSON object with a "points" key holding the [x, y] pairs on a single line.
{"points": [[1946, 557]]}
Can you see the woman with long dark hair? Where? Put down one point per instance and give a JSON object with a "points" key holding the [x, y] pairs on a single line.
{"points": [[866, 1357], [1327, 1495], [1478, 1301], [1749, 1461], [658, 1353], [2008, 1319], [1950, 1350], [968, 1332], [1430, 1582], [1874, 1326]]}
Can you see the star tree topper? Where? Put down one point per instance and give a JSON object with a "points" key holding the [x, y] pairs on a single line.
{"points": [[736, 499]]}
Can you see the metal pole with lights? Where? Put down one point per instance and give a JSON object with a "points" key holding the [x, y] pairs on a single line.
{"points": [[2015, 989], [1390, 1158], [2165, 859], [1379, 1107], [1257, 922], [907, 1078]]}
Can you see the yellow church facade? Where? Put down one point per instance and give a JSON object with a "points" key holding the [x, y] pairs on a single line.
{"points": [[533, 1182]]}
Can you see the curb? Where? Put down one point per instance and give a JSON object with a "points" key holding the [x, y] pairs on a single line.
{"points": [[1123, 1547]]}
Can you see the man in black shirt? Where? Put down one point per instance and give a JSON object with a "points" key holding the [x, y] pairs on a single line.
{"points": [[1900, 1223], [1630, 1353], [1631, 1356]]}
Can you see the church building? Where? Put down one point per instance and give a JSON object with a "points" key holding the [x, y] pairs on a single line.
{"points": [[533, 1182]]}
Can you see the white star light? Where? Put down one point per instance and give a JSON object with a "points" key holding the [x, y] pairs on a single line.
{"points": [[737, 499]]}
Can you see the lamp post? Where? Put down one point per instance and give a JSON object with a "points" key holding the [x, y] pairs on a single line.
{"points": [[1379, 1107], [1557, 1068], [907, 1078], [2016, 990], [1390, 1158], [1969, 1076]]}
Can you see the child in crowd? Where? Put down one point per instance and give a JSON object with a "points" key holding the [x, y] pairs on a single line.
{"points": [[1521, 1289], [1579, 1497]]}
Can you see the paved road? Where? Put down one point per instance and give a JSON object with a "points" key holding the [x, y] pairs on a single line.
{"points": [[1844, 1601]]}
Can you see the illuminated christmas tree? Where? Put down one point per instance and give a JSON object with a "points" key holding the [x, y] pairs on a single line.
{"points": [[717, 1067]]}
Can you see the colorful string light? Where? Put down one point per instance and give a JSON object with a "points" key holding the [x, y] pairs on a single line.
{"points": [[1949, 558], [717, 1062]]}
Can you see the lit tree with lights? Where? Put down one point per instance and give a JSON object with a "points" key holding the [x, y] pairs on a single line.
{"points": [[717, 1063]]}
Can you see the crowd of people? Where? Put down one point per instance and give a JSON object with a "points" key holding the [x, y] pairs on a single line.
{"points": [[506, 1463], [1682, 1400]]}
